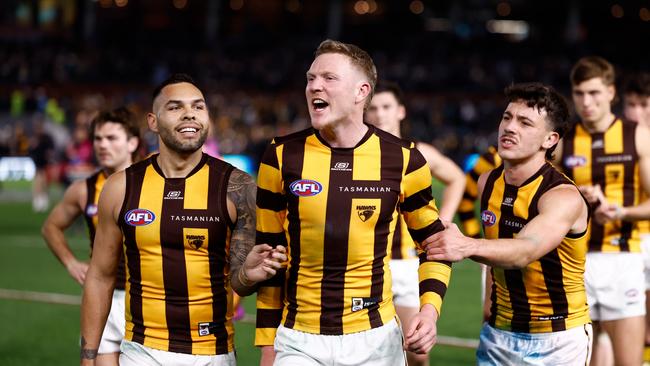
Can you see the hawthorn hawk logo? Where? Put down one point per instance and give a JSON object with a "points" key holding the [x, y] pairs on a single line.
{"points": [[365, 212]]}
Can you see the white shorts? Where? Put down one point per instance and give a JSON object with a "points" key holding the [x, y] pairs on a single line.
{"points": [[381, 346], [406, 284], [135, 354], [115, 325], [615, 285], [645, 248], [569, 347]]}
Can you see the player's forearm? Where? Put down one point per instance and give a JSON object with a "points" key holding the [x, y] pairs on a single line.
{"points": [[241, 284], [434, 277], [451, 197], [55, 240], [95, 306], [504, 253], [635, 213]]}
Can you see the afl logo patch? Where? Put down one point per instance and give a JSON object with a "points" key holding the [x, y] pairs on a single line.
{"points": [[305, 188], [91, 210], [139, 217], [488, 218], [575, 161]]}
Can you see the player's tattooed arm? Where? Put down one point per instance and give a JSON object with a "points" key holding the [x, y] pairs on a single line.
{"points": [[241, 192], [87, 353]]}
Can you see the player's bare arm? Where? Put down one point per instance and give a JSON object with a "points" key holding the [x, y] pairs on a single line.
{"points": [[423, 331], [642, 210], [445, 170], [100, 279], [561, 210], [61, 217]]}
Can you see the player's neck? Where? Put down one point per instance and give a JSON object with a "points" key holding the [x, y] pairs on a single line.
{"points": [[177, 165], [344, 135], [518, 172], [600, 125]]}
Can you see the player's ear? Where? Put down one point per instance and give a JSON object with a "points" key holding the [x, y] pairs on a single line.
{"points": [[132, 144], [551, 139], [152, 122]]}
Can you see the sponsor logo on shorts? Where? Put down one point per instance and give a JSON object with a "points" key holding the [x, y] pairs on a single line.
{"points": [[360, 303], [305, 188], [139, 217], [488, 217], [632, 292]]}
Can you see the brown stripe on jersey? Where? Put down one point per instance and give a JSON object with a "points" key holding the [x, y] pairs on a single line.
{"points": [[268, 318], [134, 180], [551, 263], [270, 157], [514, 277], [90, 199], [474, 174], [597, 177], [568, 149], [293, 156], [174, 271], [417, 200], [489, 186], [391, 170], [434, 285], [423, 258], [272, 239], [485, 198], [335, 251], [420, 234], [219, 176], [396, 245], [270, 200], [629, 190]]}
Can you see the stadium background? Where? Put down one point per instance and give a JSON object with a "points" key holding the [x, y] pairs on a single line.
{"points": [[62, 60]]}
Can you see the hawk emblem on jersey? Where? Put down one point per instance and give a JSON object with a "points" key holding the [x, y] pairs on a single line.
{"points": [[139, 217], [488, 217], [195, 241], [305, 188], [575, 161], [365, 212], [91, 210]]}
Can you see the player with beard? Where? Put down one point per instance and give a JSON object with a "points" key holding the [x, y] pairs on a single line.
{"points": [[115, 136], [178, 216]]}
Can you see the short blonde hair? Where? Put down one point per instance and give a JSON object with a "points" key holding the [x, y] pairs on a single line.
{"points": [[358, 57]]}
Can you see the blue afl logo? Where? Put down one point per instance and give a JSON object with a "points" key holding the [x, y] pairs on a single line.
{"points": [[139, 217], [305, 188], [488, 218]]}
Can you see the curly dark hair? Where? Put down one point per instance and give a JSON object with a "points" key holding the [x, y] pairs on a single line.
{"points": [[540, 96]]}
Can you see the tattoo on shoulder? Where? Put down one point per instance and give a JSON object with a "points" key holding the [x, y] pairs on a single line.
{"points": [[241, 191], [86, 353]]}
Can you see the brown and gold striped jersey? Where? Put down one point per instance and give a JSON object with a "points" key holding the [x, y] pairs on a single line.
{"points": [[337, 209], [610, 160], [466, 210], [548, 295], [94, 185], [176, 242]]}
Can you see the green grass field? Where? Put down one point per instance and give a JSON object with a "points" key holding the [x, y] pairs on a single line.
{"points": [[38, 333]]}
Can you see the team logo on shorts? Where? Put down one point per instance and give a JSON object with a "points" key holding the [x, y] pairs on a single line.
{"points": [[91, 210], [139, 217], [488, 217], [575, 161], [365, 211], [305, 188]]}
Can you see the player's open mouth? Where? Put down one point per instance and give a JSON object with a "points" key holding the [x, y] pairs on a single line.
{"points": [[507, 141], [319, 104], [188, 130]]}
